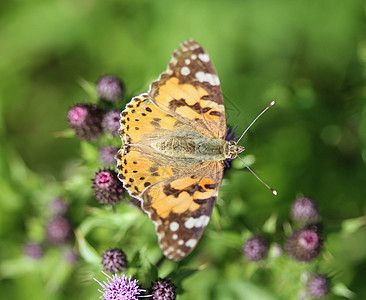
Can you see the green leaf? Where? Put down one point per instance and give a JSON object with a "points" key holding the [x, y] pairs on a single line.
{"points": [[14, 267], [239, 289], [66, 133], [352, 225], [87, 252], [340, 289], [104, 218], [89, 152], [90, 89], [270, 225]]}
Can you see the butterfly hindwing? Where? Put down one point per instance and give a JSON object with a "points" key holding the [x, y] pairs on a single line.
{"points": [[181, 207]]}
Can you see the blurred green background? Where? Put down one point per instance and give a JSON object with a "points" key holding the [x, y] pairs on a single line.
{"points": [[309, 56]]}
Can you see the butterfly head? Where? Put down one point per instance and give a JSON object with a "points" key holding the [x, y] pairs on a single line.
{"points": [[232, 149]]}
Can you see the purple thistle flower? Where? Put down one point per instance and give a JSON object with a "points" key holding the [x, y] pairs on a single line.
{"points": [[318, 286], [111, 123], [58, 207], [70, 255], [304, 211], [107, 155], [230, 133], [119, 288], [114, 260], [110, 88], [85, 120], [59, 231], [107, 187], [256, 248], [163, 289], [304, 244], [33, 250]]}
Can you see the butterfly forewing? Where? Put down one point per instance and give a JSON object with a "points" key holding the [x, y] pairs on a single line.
{"points": [[190, 91]]}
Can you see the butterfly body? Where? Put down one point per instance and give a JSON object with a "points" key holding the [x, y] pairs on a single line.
{"points": [[200, 149], [174, 147]]}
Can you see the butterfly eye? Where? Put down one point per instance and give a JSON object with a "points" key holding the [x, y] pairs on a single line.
{"points": [[232, 155]]}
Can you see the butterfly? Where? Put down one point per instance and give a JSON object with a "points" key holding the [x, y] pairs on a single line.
{"points": [[174, 148]]}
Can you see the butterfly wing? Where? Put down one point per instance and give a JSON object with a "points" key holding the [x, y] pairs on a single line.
{"points": [[181, 206], [139, 165], [190, 91], [178, 193]]}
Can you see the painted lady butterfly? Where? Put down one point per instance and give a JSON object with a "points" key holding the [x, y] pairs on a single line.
{"points": [[174, 147]]}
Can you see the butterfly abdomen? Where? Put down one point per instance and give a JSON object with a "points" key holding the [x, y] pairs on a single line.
{"points": [[197, 148]]}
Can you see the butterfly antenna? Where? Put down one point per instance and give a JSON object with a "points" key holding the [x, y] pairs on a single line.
{"points": [[274, 192], [245, 131]]}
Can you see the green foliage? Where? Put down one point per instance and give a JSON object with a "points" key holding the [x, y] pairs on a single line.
{"points": [[309, 56]]}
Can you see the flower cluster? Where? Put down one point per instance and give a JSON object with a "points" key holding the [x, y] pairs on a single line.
{"points": [[124, 288], [59, 230], [305, 244], [33, 250], [59, 207], [304, 211], [58, 233], [110, 122], [86, 121], [120, 288], [317, 286], [110, 88], [256, 248], [163, 289], [107, 187], [114, 260], [89, 121], [107, 155]]}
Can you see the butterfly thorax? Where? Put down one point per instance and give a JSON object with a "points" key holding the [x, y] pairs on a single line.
{"points": [[203, 149]]}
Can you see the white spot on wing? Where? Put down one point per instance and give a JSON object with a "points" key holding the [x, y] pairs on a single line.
{"points": [[194, 46], [170, 249], [180, 242], [191, 243], [201, 76], [205, 220], [174, 226], [175, 236], [193, 56], [202, 221], [204, 57], [185, 71], [208, 77], [190, 223], [161, 234], [187, 61]]}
